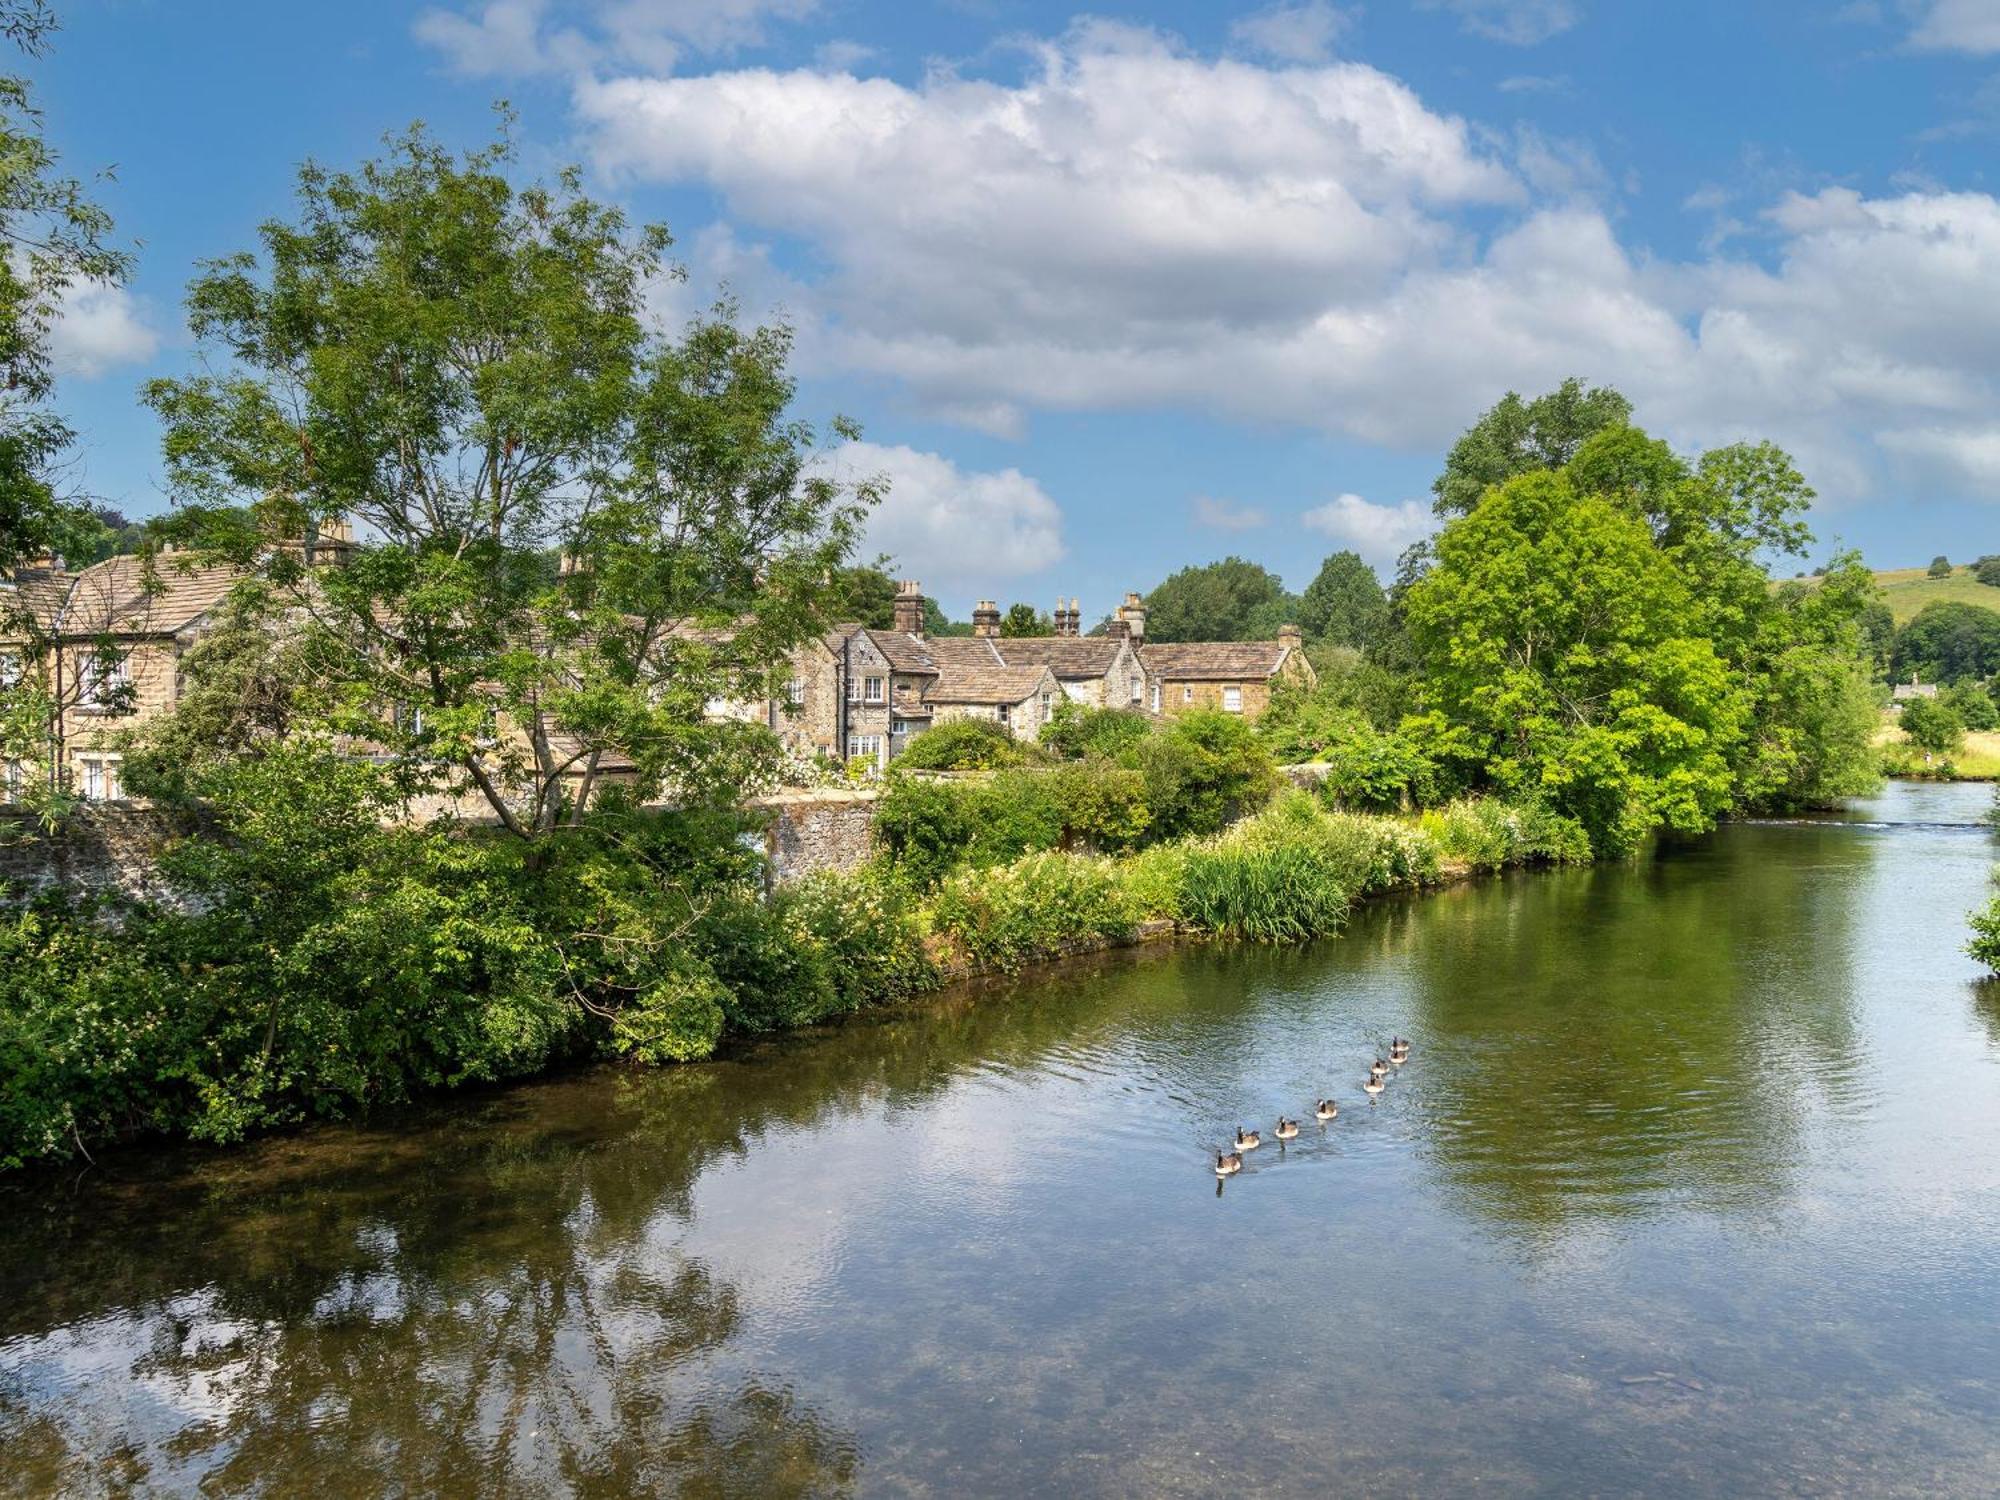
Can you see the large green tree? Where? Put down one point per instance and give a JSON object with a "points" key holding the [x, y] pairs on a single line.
{"points": [[1604, 634], [53, 238], [1025, 620], [1518, 436], [1556, 640], [1230, 600], [463, 368], [1344, 605]]}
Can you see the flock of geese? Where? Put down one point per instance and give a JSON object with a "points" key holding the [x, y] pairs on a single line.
{"points": [[1229, 1163]]}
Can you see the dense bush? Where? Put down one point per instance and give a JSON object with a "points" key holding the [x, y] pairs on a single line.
{"points": [[962, 745], [1948, 642], [1075, 731], [1985, 942], [1202, 772], [1933, 725], [1973, 705], [1032, 908]]}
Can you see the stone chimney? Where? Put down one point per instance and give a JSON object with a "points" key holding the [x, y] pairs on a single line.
{"points": [[909, 607], [1291, 635], [1066, 617], [1133, 613], [331, 542], [986, 619]]}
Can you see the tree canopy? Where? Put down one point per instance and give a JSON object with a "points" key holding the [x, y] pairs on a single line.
{"points": [[1230, 600], [1948, 642], [463, 367], [1025, 620], [1603, 635], [1518, 436], [1344, 605]]}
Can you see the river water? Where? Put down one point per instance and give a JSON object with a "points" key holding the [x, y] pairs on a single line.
{"points": [[1691, 1186]]}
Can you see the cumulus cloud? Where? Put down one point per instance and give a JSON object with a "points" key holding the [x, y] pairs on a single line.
{"points": [[1379, 533], [1971, 26], [1300, 32], [540, 36], [954, 528], [1226, 515], [97, 328], [1520, 23], [1133, 226]]}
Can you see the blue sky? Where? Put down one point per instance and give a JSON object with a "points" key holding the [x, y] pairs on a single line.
{"points": [[1113, 290]]}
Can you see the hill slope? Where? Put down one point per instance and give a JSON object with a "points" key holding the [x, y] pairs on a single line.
{"points": [[1907, 590]]}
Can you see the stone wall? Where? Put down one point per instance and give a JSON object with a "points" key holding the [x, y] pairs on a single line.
{"points": [[814, 831], [113, 848]]}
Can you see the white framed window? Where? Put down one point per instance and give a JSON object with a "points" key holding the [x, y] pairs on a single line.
{"points": [[1232, 699], [100, 684], [1187, 693], [871, 690], [1048, 704], [795, 693], [1156, 697], [100, 776], [868, 745], [1139, 686]]}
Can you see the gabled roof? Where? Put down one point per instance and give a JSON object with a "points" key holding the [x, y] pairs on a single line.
{"points": [[1213, 660], [117, 597], [904, 653], [989, 684], [1068, 656]]}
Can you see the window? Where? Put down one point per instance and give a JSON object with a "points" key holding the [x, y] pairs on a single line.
{"points": [[864, 745], [1139, 686], [10, 669], [1156, 697], [13, 781], [1187, 693], [100, 777], [871, 690], [1000, 713], [1048, 704], [1232, 699], [100, 683], [795, 692]]}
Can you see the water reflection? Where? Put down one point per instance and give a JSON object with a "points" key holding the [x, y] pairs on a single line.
{"points": [[1615, 1229]]}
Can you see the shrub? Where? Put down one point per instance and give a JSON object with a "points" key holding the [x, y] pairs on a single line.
{"points": [[1987, 571], [1101, 805], [1076, 730], [1985, 942], [868, 934], [962, 745], [1933, 725], [1032, 908], [1203, 771], [923, 828]]}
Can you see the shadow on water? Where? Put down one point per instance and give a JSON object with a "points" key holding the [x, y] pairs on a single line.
{"points": [[1616, 1229]]}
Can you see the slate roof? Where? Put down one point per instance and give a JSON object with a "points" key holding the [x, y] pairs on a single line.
{"points": [[1068, 656], [1211, 661], [904, 653], [113, 596], [988, 684]]}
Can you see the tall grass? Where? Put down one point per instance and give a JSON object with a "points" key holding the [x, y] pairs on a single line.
{"points": [[1266, 892]]}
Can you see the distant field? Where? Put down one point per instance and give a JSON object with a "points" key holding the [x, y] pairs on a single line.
{"points": [[1907, 590], [1979, 760]]}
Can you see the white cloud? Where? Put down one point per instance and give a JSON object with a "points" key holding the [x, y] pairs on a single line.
{"points": [[1971, 26], [952, 528], [1380, 533], [1226, 515], [1535, 83], [1520, 23], [1130, 226], [1299, 32], [537, 36], [97, 328]]}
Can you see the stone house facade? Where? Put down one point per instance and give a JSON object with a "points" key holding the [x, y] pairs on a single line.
{"points": [[1233, 676], [107, 642]]}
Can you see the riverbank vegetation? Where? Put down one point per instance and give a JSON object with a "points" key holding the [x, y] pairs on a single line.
{"points": [[588, 531]]}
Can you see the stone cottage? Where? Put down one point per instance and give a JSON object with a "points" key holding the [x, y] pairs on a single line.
{"points": [[1237, 677]]}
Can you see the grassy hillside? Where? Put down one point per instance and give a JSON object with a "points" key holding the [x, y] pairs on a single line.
{"points": [[1907, 590]]}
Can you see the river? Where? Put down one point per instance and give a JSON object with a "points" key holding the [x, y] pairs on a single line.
{"points": [[1691, 1186]]}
